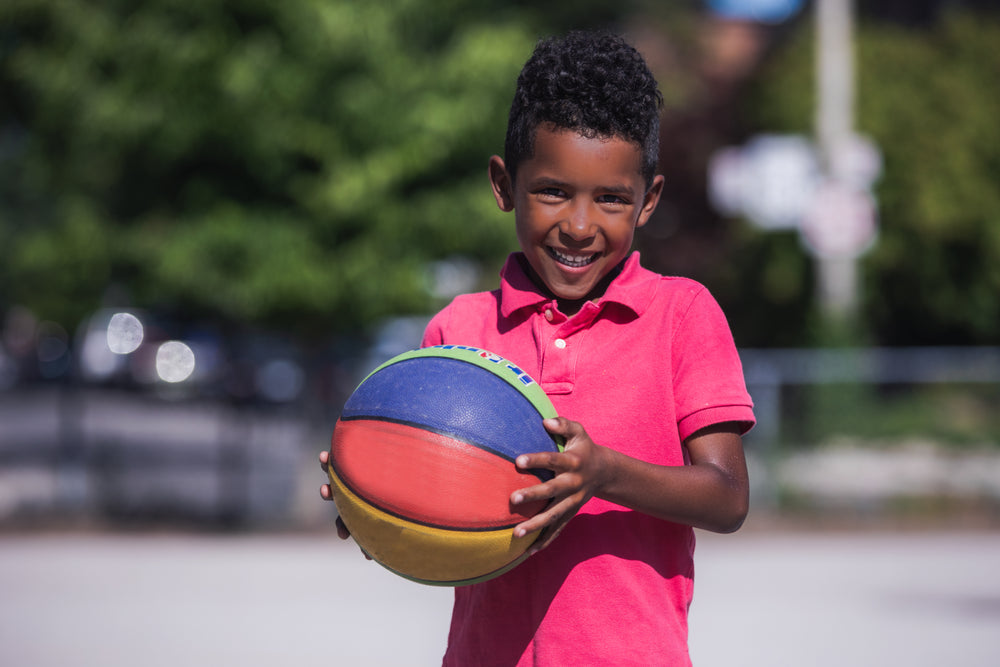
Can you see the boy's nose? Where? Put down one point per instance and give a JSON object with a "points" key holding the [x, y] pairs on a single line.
{"points": [[579, 224]]}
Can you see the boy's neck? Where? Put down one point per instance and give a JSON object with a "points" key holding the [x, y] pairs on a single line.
{"points": [[570, 307]]}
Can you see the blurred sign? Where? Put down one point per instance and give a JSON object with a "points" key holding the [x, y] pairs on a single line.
{"points": [[771, 180], [778, 182], [765, 11], [856, 161], [840, 222]]}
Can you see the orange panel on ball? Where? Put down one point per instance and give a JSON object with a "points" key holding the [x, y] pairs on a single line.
{"points": [[427, 477]]}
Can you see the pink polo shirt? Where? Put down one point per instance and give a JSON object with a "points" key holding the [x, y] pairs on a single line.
{"points": [[643, 368]]}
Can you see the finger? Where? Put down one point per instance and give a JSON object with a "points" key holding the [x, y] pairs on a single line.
{"points": [[532, 494], [555, 515], [564, 483], [324, 460], [326, 492], [549, 460], [549, 523], [344, 534], [342, 531], [564, 431], [532, 525], [561, 426], [554, 424]]}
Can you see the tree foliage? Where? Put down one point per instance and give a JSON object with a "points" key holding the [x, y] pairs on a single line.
{"points": [[295, 163], [301, 164], [928, 97]]}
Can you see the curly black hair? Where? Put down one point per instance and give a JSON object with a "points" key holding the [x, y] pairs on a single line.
{"points": [[594, 83]]}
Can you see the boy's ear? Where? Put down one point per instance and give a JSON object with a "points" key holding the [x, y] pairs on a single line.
{"points": [[650, 200], [503, 188]]}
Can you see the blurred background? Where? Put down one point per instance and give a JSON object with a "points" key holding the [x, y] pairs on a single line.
{"points": [[217, 216]]}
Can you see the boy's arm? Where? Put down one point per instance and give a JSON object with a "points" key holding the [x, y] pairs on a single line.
{"points": [[712, 492]]}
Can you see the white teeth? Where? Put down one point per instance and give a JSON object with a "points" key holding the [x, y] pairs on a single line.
{"points": [[572, 261]]}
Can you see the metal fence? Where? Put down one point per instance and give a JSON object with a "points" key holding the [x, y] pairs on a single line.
{"points": [[769, 371], [76, 452], [870, 430]]}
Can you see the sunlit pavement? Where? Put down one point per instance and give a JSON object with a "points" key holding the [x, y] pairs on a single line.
{"points": [[873, 599], [763, 598]]}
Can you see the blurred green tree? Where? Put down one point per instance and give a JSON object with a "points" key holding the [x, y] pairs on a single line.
{"points": [[294, 164], [297, 165], [301, 164], [928, 97]]}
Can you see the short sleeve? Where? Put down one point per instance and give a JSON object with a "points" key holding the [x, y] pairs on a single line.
{"points": [[708, 376]]}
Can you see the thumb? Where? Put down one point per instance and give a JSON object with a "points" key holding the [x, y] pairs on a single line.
{"points": [[564, 429], [560, 426]]}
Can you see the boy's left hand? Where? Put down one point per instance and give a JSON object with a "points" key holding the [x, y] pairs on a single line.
{"points": [[579, 473]]}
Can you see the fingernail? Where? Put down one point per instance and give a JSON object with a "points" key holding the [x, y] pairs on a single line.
{"points": [[517, 499]]}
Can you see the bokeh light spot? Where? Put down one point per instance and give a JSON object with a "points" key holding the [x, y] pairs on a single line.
{"points": [[174, 361], [124, 333]]}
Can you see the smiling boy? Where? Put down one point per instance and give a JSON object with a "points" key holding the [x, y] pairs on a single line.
{"points": [[577, 203], [641, 368]]}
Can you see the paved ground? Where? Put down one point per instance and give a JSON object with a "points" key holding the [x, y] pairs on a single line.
{"points": [[869, 599], [763, 598]]}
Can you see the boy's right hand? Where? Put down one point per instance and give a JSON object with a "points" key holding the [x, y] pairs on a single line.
{"points": [[327, 494], [580, 470]]}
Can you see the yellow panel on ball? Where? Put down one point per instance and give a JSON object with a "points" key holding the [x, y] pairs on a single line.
{"points": [[424, 553]]}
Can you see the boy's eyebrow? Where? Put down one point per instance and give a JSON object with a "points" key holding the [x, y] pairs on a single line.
{"points": [[549, 182]]}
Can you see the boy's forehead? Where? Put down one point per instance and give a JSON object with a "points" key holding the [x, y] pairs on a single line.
{"points": [[553, 145]]}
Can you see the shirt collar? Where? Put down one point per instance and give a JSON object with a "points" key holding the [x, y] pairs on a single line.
{"points": [[632, 288]]}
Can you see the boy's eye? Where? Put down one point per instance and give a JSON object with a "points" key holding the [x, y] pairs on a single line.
{"points": [[611, 199]]}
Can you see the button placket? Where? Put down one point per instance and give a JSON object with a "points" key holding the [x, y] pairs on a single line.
{"points": [[555, 363]]}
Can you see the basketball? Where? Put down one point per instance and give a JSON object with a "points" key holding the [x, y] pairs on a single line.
{"points": [[422, 463]]}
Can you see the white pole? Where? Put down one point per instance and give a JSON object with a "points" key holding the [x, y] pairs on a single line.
{"points": [[837, 276]]}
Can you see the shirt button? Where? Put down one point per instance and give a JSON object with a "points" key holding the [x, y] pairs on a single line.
{"points": [[560, 343], [548, 314]]}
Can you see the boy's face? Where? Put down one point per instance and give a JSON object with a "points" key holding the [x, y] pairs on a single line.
{"points": [[577, 203]]}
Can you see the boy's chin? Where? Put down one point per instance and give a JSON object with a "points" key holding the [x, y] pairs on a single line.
{"points": [[578, 294], [574, 295]]}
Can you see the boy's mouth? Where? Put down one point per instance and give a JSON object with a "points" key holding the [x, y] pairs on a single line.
{"points": [[572, 261]]}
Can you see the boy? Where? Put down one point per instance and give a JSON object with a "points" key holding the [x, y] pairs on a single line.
{"points": [[641, 368]]}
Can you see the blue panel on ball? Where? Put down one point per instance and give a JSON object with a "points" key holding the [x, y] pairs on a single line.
{"points": [[455, 398]]}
